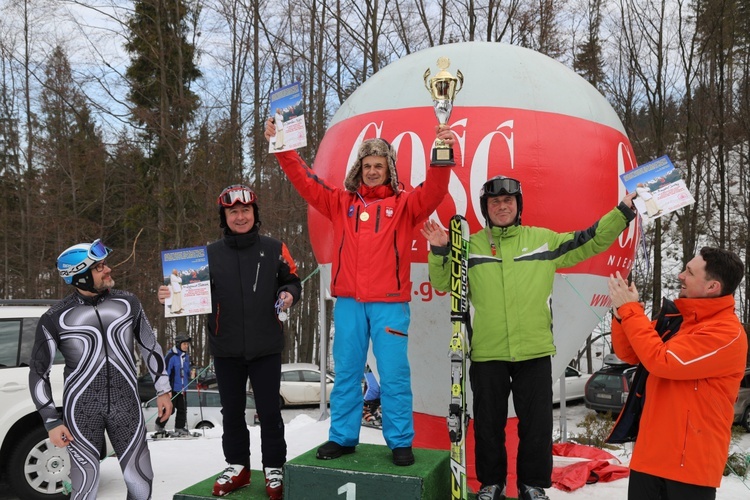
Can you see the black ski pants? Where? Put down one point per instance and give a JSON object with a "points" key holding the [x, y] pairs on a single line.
{"points": [[180, 405], [644, 486], [530, 382], [264, 374]]}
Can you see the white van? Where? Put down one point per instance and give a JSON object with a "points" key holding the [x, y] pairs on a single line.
{"points": [[32, 466]]}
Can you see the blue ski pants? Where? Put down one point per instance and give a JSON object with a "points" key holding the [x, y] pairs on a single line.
{"points": [[387, 324]]}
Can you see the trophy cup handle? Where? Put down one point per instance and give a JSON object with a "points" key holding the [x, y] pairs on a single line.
{"points": [[425, 77], [460, 77]]}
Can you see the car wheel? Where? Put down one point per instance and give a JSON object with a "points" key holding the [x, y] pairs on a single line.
{"points": [[204, 425], [745, 422], [37, 469], [281, 401]]}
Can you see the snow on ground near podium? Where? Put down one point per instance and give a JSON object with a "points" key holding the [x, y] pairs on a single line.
{"points": [[181, 463]]}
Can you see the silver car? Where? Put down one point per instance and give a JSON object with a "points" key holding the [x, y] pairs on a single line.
{"points": [[300, 384], [203, 410], [575, 385]]}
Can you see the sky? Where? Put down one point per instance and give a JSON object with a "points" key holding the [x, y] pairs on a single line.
{"points": [[181, 463]]}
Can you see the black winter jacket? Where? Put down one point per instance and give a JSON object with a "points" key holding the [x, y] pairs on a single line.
{"points": [[248, 271]]}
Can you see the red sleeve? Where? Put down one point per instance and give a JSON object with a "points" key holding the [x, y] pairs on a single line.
{"points": [[428, 195], [621, 344], [288, 279], [316, 191], [711, 349]]}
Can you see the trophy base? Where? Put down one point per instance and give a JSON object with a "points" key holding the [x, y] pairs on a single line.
{"points": [[442, 157]]}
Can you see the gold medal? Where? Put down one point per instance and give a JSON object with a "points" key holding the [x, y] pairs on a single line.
{"points": [[364, 216]]}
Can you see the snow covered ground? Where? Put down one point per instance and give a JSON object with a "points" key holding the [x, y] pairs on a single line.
{"points": [[181, 463]]}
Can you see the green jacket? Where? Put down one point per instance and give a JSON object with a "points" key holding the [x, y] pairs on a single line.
{"points": [[511, 291]]}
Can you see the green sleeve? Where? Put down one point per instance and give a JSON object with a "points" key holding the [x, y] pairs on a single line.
{"points": [[439, 268], [580, 245]]}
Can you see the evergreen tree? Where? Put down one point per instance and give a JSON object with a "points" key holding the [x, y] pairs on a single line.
{"points": [[161, 71]]}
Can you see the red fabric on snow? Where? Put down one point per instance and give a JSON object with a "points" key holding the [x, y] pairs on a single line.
{"points": [[596, 467], [432, 432]]}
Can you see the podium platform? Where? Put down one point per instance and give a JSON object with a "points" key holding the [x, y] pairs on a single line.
{"points": [[368, 473]]}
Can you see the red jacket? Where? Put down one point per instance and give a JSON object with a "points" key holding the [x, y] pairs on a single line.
{"points": [[372, 260], [694, 379]]}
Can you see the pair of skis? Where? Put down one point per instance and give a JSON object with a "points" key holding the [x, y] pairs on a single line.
{"points": [[459, 345]]}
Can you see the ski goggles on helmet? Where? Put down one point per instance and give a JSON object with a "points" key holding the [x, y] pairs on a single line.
{"points": [[501, 185], [236, 194], [97, 250]]}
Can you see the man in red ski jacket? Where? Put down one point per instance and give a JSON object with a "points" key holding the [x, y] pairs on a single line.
{"points": [[373, 221], [694, 377]]}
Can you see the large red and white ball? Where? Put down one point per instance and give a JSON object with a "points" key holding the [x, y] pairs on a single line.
{"points": [[520, 114]]}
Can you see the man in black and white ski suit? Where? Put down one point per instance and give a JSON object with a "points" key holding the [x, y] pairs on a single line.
{"points": [[95, 329]]}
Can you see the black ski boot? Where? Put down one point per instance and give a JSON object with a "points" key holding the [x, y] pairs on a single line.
{"points": [[531, 493], [371, 416]]}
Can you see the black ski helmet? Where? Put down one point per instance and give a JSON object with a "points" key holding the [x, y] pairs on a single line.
{"points": [[499, 186], [180, 338], [237, 193]]}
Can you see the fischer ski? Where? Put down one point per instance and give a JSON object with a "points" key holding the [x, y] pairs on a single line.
{"points": [[457, 416]]}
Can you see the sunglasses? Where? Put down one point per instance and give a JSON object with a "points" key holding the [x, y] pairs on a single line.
{"points": [[99, 266], [497, 187], [236, 194]]}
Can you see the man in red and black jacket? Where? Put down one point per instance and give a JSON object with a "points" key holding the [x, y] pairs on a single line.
{"points": [[250, 274]]}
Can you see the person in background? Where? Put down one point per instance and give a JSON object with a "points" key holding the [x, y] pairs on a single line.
{"points": [[371, 412], [511, 273], [178, 371], [96, 329], [373, 220], [694, 378], [252, 277]]}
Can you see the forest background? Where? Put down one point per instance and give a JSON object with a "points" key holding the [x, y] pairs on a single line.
{"points": [[125, 119]]}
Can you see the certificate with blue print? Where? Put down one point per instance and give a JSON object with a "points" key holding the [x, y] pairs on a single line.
{"points": [[185, 272]]}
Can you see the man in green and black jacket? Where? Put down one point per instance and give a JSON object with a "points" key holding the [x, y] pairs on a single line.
{"points": [[511, 273]]}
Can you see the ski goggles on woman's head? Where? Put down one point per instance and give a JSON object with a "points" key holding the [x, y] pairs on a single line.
{"points": [[236, 194], [501, 185]]}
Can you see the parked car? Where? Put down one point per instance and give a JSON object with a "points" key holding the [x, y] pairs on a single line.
{"points": [[33, 467], [300, 384], [205, 380], [607, 389], [742, 405], [575, 385], [203, 410]]}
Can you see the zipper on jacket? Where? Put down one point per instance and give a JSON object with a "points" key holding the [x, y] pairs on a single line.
{"points": [[684, 442], [217, 316], [106, 359], [257, 272], [335, 276], [356, 219], [395, 250], [377, 220]]}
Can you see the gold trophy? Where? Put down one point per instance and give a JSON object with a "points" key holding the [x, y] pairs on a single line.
{"points": [[443, 89]]}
